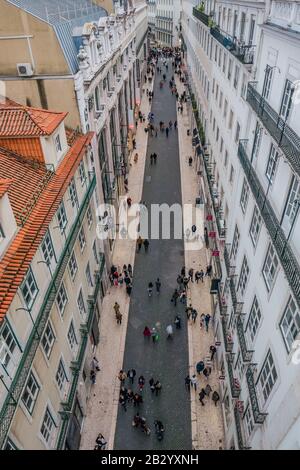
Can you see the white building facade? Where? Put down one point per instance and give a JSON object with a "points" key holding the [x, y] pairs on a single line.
{"points": [[164, 18], [243, 66]]}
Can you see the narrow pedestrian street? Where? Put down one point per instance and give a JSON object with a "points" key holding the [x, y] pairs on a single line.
{"points": [[166, 360]]}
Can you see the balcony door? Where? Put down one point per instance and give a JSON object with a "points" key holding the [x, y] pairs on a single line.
{"points": [[291, 207], [267, 82], [286, 100]]}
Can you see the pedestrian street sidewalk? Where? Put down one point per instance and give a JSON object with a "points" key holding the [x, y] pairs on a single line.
{"points": [[102, 406], [207, 421]]}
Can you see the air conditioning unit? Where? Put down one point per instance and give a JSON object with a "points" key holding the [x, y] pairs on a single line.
{"points": [[25, 70]]}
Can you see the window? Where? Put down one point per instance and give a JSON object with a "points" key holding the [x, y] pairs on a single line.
{"points": [[216, 53], [61, 299], [224, 62], [2, 234], [30, 393], [226, 158], [97, 99], [89, 216], [254, 319], [73, 193], [73, 267], [221, 100], [236, 76], [82, 174], [81, 304], [286, 100], [267, 82], [61, 375], [229, 72], [249, 422], [244, 276], [48, 427], [81, 238], [231, 176], [292, 205], [230, 119], [95, 252], [88, 275], [217, 92], [221, 145], [256, 142], [72, 337], [237, 132], [214, 124], [48, 340], [217, 134], [270, 267], [29, 289], [268, 376], [47, 248], [10, 445], [244, 196], [213, 86], [57, 143], [290, 323], [62, 217], [235, 243], [255, 226], [7, 347], [272, 164], [225, 108], [251, 30]]}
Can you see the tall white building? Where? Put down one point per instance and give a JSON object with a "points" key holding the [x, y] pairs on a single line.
{"points": [[243, 67], [164, 19]]}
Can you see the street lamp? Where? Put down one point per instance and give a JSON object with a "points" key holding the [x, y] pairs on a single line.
{"points": [[29, 312]]}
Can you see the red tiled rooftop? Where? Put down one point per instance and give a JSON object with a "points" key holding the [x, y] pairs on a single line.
{"points": [[5, 183], [27, 176], [22, 121]]}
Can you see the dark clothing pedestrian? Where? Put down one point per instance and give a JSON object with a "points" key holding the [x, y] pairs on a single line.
{"points": [[152, 385], [130, 270], [194, 315], [190, 161], [213, 351], [207, 372], [182, 271], [128, 289], [137, 399], [207, 319], [202, 396], [189, 311], [175, 297], [215, 397], [177, 322], [131, 375], [141, 382], [158, 387], [207, 390], [167, 132], [158, 285], [187, 382], [146, 245], [147, 332], [200, 366], [154, 157], [191, 274]]}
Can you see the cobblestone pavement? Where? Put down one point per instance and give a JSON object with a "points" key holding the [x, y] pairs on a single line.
{"points": [[167, 360], [102, 408], [207, 421]]}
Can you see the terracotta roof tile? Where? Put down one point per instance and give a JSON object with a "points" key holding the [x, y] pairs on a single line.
{"points": [[21, 121], [20, 253], [5, 183]]}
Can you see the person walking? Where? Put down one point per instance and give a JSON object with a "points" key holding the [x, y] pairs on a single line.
{"points": [[119, 317], [151, 158], [147, 332], [150, 289], [169, 331], [207, 320], [122, 377], [182, 271], [137, 399], [146, 245], [93, 377], [197, 276], [194, 315], [175, 297], [100, 442], [131, 375], [199, 367], [208, 390], [201, 274], [141, 382], [130, 270], [95, 364], [158, 286], [152, 385], [207, 372], [202, 396], [187, 382], [194, 382], [213, 351], [158, 387], [190, 161], [155, 157], [139, 243], [175, 125], [179, 280], [129, 202], [116, 308], [208, 270], [167, 132], [154, 335], [129, 289], [189, 311], [191, 274], [186, 280], [215, 397], [177, 322]]}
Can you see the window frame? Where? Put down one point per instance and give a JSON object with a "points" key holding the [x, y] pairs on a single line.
{"points": [[244, 199], [29, 304], [274, 256], [290, 326], [256, 222], [61, 310], [259, 380], [272, 164], [50, 344], [32, 396], [62, 217]]}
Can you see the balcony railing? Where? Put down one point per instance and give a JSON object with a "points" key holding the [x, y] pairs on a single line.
{"points": [[234, 383], [244, 53], [258, 416], [229, 268], [286, 138], [67, 406], [246, 353], [222, 304], [200, 15], [228, 343], [238, 426], [19, 380], [285, 254]]}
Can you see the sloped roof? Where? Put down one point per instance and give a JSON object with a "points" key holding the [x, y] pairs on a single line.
{"points": [[5, 183], [20, 121], [20, 253]]}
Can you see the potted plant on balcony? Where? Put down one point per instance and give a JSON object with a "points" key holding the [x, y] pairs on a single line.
{"points": [[201, 7]]}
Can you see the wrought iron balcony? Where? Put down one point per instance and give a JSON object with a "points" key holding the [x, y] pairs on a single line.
{"points": [[286, 138], [284, 251], [200, 15], [229, 268], [258, 416], [244, 53], [222, 304], [228, 343], [67, 406], [246, 353], [238, 426], [9, 407], [234, 383]]}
